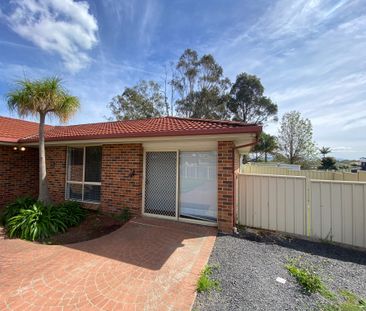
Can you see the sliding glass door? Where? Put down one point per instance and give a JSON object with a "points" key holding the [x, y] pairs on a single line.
{"points": [[198, 185]]}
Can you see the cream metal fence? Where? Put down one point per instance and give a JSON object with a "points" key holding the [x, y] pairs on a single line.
{"points": [[312, 174], [323, 209], [338, 211], [273, 202]]}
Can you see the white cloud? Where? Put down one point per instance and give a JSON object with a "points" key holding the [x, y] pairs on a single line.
{"points": [[296, 18], [309, 57], [63, 27]]}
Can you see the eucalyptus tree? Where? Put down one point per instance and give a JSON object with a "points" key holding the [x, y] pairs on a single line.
{"points": [[247, 102], [144, 100], [201, 86]]}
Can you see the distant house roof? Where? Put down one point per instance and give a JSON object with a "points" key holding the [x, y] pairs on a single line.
{"points": [[155, 127]]}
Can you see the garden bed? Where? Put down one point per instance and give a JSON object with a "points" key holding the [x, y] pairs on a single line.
{"points": [[62, 223], [94, 226], [247, 265]]}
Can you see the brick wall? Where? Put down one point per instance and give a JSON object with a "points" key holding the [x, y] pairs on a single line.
{"points": [[56, 172], [225, 170], [122, 168], [18, 173]]}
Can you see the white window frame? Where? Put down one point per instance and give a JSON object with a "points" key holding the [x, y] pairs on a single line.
{"points": [[83, 182]]}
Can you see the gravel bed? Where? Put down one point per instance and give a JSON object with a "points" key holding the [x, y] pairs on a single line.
{"points": [[249, 263]]}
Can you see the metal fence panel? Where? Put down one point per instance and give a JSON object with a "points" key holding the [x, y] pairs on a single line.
{"points": [[323, 209]]}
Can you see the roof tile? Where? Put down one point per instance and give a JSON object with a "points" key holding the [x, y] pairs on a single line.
{"points": [[164, 126]]}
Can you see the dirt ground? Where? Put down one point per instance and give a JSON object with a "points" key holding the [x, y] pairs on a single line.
{"points": [[94, 226]]}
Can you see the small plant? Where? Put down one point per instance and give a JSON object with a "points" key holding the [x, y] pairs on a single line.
{"points": [[349, 302], [205, 282], [125, 215], [35, 223], [308, 279]]}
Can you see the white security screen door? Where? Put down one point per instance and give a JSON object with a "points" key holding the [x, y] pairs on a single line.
{"points": [[198, 185], [161, 183]]}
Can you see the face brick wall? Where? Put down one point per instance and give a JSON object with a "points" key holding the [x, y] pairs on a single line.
{"points": [[18, 173], [122, 167], [56, 172], [225, 169]]}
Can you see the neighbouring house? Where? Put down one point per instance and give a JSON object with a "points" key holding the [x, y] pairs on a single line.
{"points": [[363, 164], [169, 167]]}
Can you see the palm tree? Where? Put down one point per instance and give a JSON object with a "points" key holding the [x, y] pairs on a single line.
{"points": [[41, 98], [324, 151]]}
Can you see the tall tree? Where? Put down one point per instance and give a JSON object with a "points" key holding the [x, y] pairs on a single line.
{"points": [[247, 102], [295, 138], [201, 86], [42, 98], [324, 151], [267, 144], [144, 100]]}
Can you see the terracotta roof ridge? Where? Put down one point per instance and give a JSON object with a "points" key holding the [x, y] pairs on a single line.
{"points": [[212, 121], [108, 122]]}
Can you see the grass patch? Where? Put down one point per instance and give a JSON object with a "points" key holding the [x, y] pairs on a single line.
{"points": [[349, 302], [312, 283], [205, 282]]}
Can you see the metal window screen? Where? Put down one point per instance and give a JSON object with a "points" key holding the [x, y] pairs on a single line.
{"points": [[160, 183]]}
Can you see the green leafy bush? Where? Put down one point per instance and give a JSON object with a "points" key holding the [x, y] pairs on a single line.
{"points": [[14, 208], [36, 223], [70, 212], [31, 220]]}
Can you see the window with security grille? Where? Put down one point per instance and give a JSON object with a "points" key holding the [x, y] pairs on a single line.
{"points": [[84, 166]]}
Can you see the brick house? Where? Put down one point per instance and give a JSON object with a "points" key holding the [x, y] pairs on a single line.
{"points": [[169, 167]]}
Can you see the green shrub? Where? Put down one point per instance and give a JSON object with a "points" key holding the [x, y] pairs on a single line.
{"points": [[70, 212], [205, 282], [14, 208], [38, 222], [125, 215], [31, 220]]}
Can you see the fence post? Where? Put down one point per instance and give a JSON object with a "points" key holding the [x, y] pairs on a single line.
{"points": [[308, 206]]}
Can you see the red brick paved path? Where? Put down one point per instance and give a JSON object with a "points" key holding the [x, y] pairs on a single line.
{"points": [[148, 264]]}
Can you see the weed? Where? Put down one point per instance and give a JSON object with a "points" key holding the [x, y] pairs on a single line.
{"points": [[308, 279], [349, 302], [205, 282]]}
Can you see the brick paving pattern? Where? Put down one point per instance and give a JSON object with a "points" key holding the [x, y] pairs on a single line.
{"points": [[148, 264]]}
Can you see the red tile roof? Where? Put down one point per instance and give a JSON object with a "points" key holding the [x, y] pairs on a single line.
{"points": [[165, 126], [11, 130]]}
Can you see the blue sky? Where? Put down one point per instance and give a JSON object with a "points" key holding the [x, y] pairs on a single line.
{"points": [[309, 54]]}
